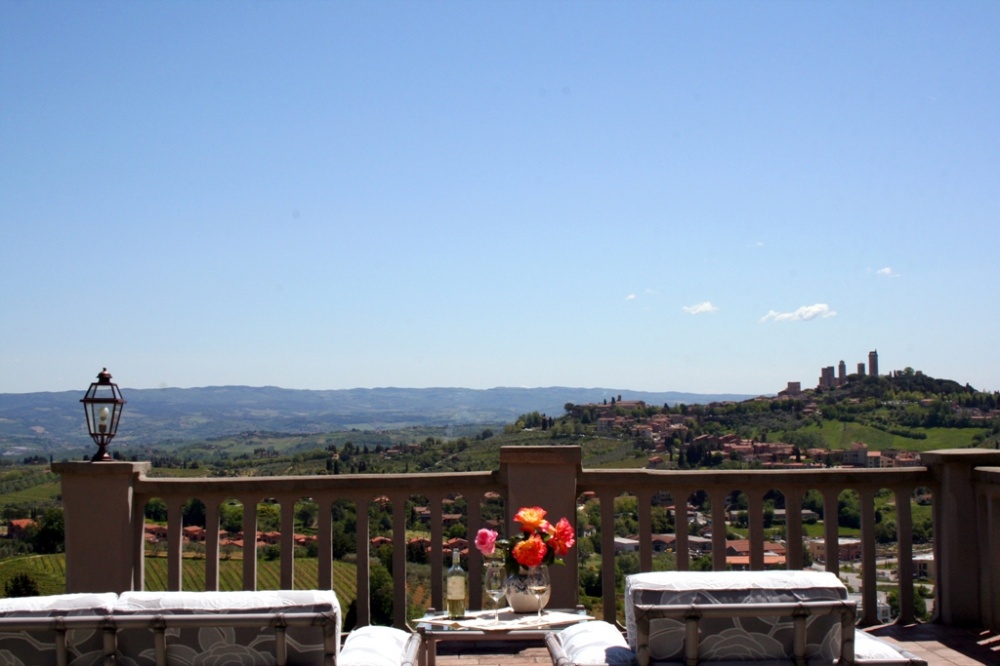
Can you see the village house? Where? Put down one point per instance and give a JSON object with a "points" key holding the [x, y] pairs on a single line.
{"points": [[155, 533], [19, 528], [194, 534], [742, 562], [900, 459], [808, 516], [697, 546], [923, 566], [857, 455], [738, 555], [849, 550]]}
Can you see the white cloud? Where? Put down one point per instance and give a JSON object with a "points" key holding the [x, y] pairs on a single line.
{"points": [[700, 308], [805, 313], [886, 272], [631, 297]]}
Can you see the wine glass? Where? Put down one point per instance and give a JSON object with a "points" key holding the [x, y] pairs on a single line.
{"points": [[495, 583], [538, 584]]}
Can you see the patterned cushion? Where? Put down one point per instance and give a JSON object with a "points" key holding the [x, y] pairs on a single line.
{"points": [[84, 647], [221, 644], [737, 638]]}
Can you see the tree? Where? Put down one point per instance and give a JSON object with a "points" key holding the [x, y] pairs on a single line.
{"points": [[156, 509], [342, 542], [21, 585], [380, 585], [268, 517], [194, 512], [813, 501], [849, 509], [231, 517], [306, 513], [919, 605], [51, 535], [415, 552]]}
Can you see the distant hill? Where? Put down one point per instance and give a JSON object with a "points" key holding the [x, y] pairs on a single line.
{"points": [[32, 423]]}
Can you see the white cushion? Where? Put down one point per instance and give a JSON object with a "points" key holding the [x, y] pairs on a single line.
{"points": [[592, 643], [301, 601], [59, 604], [243, 645], [868, 648], [373, 646]]}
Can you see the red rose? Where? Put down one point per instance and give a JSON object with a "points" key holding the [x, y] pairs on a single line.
{"points": [[563, 537], [530, 552]]}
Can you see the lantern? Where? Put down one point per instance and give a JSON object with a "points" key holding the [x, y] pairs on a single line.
{"points": [[103, 407]]}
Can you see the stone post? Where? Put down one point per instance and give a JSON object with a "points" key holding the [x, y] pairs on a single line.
{"points": [[545, 476], [103, 529], [958, 533]]}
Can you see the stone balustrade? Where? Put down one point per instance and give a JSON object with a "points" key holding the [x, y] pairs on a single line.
{"points": [[104, 515]]}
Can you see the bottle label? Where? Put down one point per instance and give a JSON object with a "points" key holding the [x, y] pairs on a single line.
{"points": [[456, 587]]}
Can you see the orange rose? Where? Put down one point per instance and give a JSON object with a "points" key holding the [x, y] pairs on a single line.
{"points": [[530, 552], [531, 518], [563, 537]]}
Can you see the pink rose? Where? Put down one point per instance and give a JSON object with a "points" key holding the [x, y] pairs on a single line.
{"points": [[486, 541]]}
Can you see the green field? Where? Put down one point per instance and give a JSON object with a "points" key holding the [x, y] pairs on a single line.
{"points": [[49, 571], [29, 485], [841, 434]]}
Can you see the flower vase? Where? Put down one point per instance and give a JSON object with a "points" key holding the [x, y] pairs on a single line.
{"points": [[519, 598]]}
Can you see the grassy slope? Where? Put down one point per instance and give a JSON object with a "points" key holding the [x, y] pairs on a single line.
{"points": [[49, 571], [840, 435]]}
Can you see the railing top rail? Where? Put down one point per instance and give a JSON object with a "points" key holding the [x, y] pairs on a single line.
{"points": [[990, 475], [596, 478], [973, 457], [419, 484]]}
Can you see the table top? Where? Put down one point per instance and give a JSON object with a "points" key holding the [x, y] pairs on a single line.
{"points": [[482, 621]]}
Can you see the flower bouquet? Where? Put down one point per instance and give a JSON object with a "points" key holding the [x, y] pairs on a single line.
{"points": [[538, 541]]}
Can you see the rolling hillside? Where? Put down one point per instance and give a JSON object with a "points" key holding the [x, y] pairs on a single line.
{"points": [[52, 423]]}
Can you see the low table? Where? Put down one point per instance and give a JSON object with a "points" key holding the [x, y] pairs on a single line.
{"points": [[435, 628]]}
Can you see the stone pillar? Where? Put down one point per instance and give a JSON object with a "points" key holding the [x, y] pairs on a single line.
{"points": [[958, 533], [102, 550], [545, 476]]}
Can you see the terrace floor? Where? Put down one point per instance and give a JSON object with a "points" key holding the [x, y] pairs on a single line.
{"points": [[939, 645]]}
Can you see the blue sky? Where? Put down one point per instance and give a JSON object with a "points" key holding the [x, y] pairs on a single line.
{"points": [[665, 196]]}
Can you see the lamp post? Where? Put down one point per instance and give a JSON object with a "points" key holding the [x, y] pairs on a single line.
{"points": [[103, 408]]}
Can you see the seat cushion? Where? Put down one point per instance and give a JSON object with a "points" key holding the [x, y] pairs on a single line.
{"points": [[374, 646], [594, 644], [244, 645], [84, 646], [872, 651], [753, 638]]}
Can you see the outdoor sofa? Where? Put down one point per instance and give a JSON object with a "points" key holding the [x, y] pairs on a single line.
{"points": [[293, 628], [729, 619]]}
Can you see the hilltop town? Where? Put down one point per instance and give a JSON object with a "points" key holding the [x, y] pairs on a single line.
{"points": [[900, 410]]}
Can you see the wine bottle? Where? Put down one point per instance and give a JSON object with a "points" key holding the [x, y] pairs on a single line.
{"points": [[456, 583]]}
